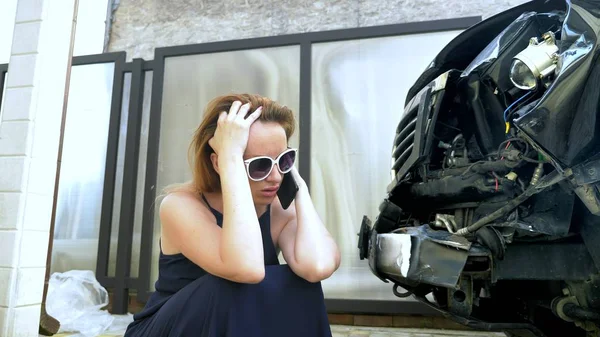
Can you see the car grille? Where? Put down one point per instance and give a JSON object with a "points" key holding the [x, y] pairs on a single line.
{"points": [[413, 140], [405, 138]]}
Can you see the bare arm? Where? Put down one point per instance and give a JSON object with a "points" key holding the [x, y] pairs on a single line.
{"points": [[241, 237], [190, 228], [307, 246]]}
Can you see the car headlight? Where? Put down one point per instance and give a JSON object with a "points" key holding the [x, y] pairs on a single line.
{"points": [[535, 63]]}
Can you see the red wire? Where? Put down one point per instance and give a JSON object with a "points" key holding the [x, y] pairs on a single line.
{"points": [[506, 148]]}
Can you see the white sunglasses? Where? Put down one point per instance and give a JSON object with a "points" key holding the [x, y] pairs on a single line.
{"points": [[259, 168]]}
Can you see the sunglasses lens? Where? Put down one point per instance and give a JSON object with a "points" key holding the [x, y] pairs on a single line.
{"points": [[287, 161], [259, 168]]}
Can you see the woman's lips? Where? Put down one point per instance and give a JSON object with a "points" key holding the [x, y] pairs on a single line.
{"points": [[270, 191]]}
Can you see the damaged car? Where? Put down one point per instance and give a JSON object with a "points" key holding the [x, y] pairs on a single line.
{"points": [[492, 214]]}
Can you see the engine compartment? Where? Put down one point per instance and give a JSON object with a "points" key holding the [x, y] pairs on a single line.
{"points": [[463, 149]]}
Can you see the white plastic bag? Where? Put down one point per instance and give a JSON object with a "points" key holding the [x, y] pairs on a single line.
{"points": [[75, 298]]}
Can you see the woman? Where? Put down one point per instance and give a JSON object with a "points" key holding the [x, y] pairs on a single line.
{"points": [[219, 274]]}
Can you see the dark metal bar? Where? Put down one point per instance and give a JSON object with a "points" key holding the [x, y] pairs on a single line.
{"points": [[111, 282], [98, 58], [130, 167], [110, 169], [305, 111], [149, 65], [3, 71], [128, 67], [151, 175], [325, 36]]}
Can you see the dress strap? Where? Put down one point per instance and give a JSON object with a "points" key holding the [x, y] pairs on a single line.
{"points": [[207, 203], [216, 213]]}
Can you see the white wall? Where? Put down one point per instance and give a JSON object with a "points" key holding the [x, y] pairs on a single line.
{"points": [[90, 33], [91, 23], [90, 27], [8, 9]]}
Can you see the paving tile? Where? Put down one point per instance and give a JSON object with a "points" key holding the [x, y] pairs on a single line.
{"points": [[367, 320], [341, 319]]}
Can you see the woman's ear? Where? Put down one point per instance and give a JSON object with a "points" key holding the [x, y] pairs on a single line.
{"points": [[215, 161]]}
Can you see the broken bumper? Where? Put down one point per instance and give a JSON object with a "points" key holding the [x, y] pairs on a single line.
{"points": [[414, 255]]}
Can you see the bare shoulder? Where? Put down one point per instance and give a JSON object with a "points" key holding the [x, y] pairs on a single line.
{"points": [[179, 200], [181, 213]]}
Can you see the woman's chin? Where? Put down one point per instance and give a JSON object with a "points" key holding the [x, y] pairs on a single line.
{"points": [[264, 199]]}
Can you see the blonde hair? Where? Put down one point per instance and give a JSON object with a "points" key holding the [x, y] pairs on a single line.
{"points": [[204, 178]]}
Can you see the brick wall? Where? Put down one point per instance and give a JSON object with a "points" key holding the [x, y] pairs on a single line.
{"points": [[140, 25], [29, 135]]}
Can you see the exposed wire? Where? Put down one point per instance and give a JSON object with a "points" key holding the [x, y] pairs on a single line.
{"points": [[506, 121], [509, 140], [534, 161], [506, 148], [547, 181]]}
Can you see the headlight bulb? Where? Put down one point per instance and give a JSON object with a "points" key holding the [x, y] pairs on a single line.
{"points": [[535, 63], [521, 76]]}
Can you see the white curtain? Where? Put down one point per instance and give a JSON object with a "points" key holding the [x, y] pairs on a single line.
{"points": [[358, 93]]}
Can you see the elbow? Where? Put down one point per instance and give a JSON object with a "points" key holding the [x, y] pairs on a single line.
{"points": [[256, 275], [251, 275], [321, 269], [320, 272]]}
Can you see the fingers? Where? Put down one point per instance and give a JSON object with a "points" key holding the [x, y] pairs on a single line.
{"points": [[254, 116], [241, 115], [233, 110], [239, 112], [222, 117]]}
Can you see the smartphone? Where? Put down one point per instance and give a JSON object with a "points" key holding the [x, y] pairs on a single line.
{"points": [[287, 190]]}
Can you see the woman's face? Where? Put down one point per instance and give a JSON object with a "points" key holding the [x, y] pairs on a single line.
{"points": [[266, 139]]}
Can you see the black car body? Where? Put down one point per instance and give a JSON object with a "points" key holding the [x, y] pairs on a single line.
{"points": [[494, 203]]}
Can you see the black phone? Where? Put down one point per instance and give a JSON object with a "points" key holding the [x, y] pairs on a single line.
{"points": [[287, 190]]}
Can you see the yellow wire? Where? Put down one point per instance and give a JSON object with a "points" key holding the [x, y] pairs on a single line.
{"points": [[507, 127]]}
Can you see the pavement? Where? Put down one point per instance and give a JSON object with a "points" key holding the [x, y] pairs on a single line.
{"points": [[354, 331]]}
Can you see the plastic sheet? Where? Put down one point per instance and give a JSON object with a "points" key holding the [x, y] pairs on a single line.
{"points": [[75, 298]]}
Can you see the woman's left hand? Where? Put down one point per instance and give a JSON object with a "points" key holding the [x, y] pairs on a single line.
{"points": [[299, 181]]}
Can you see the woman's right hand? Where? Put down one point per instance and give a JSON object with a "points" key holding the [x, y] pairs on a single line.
{"points": [[231, 135]]}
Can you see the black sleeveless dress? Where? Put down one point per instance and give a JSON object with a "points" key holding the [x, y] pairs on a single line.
{"points": [[192, 303]]}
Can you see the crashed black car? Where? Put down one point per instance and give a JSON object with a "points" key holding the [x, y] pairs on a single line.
{"points": [[492, 215]]}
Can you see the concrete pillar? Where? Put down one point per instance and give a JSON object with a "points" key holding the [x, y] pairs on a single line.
{"points": [[29, 138]]}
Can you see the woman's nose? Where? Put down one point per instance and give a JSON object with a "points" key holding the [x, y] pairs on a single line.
{"points": [[275, 175]]}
